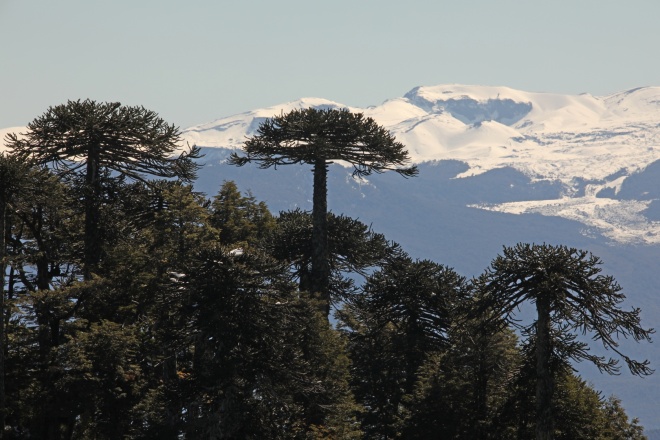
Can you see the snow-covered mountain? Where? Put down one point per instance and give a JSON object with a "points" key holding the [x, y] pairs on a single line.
{"points": [[588, 145], [497, 166]]}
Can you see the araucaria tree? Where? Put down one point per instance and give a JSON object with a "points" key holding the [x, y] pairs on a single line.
{"points": [[319, 137], [93, 142], [571, 298]]}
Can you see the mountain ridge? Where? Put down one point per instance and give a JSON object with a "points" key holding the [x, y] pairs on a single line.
{"points": [[591, 145]]}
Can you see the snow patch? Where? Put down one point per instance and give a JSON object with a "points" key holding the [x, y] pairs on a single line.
{"points": [[622, 221]]}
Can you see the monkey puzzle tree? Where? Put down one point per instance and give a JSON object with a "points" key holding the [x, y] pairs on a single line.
{"points": [[92, 142], [353, 247], [571, 298], [319, 137], [403, 317]]}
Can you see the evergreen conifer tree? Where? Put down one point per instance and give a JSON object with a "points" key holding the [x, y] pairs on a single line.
{"points": [[353, 248], [90, 141], [571, 298], [319, 137], [240, 218], [266, 363], [401, 319]]}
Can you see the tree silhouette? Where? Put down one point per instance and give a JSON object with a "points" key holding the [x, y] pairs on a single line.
{"points": [[353, 247], [319, 137], [92, 140], [571, 298]]}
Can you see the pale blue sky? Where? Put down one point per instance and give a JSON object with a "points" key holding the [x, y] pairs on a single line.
{"points": [[197, 60]]}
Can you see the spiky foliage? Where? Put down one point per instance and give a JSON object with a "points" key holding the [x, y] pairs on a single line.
{"points": [[402, 318], [571, 298], [353, 247], [266, 363], [88, 141], [318, 137], [240, 218], [128, 140], [12, 181], [305, 136]]}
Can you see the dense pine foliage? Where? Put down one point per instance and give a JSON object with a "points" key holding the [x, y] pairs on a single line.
{"points": [[189, 317]]}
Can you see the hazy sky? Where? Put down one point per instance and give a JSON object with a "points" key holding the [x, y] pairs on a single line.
{"points": [[196, 61]]}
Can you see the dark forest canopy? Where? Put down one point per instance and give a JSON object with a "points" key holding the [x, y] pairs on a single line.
{"points": [[197, 320]]}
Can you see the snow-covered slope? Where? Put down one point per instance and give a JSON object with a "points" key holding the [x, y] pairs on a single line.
{"points": [[548, 136], [588, 144]]}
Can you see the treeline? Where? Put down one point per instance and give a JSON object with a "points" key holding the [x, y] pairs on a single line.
{"points": [[134, 307]]}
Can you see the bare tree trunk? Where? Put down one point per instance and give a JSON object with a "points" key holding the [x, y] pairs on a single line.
{"points": [[544, 379], [320, 282]]}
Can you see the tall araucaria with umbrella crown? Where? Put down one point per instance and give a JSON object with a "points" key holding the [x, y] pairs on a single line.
{"points": [[318, 137]]}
